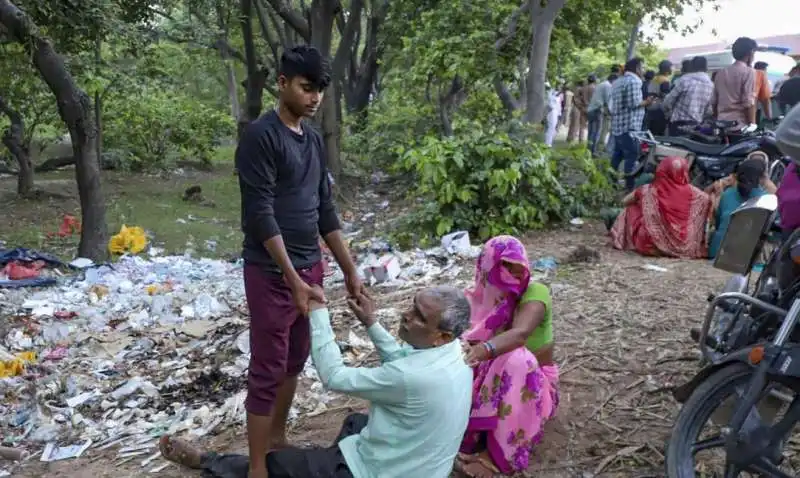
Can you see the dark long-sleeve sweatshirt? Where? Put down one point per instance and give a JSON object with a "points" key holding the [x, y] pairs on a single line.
{"points": [[285, 191]]}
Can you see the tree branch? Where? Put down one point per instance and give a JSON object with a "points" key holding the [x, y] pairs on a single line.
{"points": [[512, 25], [272, 41], [345, 44], [292, 17]]}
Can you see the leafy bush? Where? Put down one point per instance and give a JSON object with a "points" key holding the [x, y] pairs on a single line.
{"points": [[492, 181], [162, 127]]}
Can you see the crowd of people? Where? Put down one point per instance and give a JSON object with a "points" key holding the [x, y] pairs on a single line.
{"points": [[670, 217], [631, 100]]}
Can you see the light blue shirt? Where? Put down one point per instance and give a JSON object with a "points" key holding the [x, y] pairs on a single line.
{"points": [[601, 96], [420, 403]]}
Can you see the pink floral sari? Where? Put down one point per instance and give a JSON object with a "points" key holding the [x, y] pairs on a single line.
{"points": [[513, 396]]}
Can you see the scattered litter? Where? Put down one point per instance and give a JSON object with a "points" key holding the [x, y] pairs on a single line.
{"points": [[131, 240], [383, 269], [55, 453], [576, 221], [11, 454], [81, 263], [655, 268]]}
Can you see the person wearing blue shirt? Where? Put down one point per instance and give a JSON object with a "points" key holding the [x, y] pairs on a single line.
{"points": [[751, 181], [420, 398]]}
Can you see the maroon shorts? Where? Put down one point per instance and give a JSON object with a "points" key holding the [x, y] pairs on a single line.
{"points": [[280, 337]]}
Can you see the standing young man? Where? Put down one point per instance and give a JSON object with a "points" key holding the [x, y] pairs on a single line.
{"points": [[627, 114], [286, 207], [735, 85]]}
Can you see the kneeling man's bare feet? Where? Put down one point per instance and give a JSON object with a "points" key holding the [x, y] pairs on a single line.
{"points": [[180, 452], [476, 466]]}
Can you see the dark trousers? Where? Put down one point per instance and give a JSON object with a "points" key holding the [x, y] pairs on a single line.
{"points": [[315, 462], [625, 149], [595, 120]]}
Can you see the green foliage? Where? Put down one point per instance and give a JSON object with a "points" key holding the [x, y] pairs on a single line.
{"points": [[492, 181], [162, 127]]}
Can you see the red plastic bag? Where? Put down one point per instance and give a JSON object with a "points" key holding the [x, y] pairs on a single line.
{"points": [[22, 270]]}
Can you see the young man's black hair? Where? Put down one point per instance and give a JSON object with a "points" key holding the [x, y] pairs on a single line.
{"points": [[612, 78], [615, 70], [665, 67], [633, 65], [307, 62], [698, 64], [743, 49], [686, 66], [760, 65], [591, 79]]}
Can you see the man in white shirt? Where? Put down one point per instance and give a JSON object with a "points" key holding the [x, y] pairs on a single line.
{"points": [[553, 114]]}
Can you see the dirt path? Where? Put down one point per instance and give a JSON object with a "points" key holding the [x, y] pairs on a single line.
{"points": [[623, 340]]}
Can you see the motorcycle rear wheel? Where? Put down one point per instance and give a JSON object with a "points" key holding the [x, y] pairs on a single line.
{"points": [[696, 412]]}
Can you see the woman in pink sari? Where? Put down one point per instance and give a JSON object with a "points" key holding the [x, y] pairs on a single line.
{"points": [[515, 389]]}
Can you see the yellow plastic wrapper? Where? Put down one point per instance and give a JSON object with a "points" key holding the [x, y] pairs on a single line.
{"points": [[131, 240], [16, 366]]}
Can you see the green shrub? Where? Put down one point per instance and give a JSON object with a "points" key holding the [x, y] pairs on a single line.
{"points": [[163, 126], [490, 182]]}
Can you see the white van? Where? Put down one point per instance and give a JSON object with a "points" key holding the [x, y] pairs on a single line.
{"points": [[778, 63]]}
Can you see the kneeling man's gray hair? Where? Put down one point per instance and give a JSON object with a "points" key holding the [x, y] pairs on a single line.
{"points": [[456, 314]]}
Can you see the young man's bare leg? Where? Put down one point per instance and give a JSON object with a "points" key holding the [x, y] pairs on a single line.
{"points": [[258, 440], [280, 413]]}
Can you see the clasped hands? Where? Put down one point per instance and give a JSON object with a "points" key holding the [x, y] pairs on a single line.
{"points": [[309, 297], [304, 293]]}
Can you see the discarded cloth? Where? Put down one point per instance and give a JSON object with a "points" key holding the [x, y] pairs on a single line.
{"points": [[34, 282], [27, 255]]}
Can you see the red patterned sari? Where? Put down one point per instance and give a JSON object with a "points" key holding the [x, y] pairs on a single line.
{"points": [[668, 217]]}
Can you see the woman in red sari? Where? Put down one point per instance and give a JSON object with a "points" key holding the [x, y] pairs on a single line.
{"points": [[666, 217]]}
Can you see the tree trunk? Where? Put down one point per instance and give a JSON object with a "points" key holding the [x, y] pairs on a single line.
{"points": [[75, 109], [256, 77], [542, 20], [98, 99], [323, 14], [537, 71], [233, 92], [225, 55], [631, 51], [14, 140]]}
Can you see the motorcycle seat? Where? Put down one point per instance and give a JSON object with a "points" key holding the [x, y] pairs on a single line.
{"points": [[693, 146], [724, 124]]}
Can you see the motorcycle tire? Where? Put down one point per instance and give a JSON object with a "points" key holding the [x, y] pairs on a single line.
{"points": [[696, 412]]}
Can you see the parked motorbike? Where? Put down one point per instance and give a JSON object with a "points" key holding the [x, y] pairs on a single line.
{"points": [[716, 161], [707, 162], [753, 359], [714, 132], [731, 325]]}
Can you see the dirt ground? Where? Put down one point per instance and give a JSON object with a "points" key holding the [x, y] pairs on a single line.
{"points": [[622, 341]]}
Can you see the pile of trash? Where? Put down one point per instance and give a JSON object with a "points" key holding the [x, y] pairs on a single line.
{"points": [[116, 355]]}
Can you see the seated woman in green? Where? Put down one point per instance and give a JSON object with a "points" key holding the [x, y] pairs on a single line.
{"points": [[515, 389], [751, 181]]}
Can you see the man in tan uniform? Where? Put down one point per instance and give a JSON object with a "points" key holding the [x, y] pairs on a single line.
{"points": [[583, 96]]}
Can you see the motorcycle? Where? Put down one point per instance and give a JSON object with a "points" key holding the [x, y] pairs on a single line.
{"points": [[730, 325], [716, 161], [707, 162], [756, 362]]}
